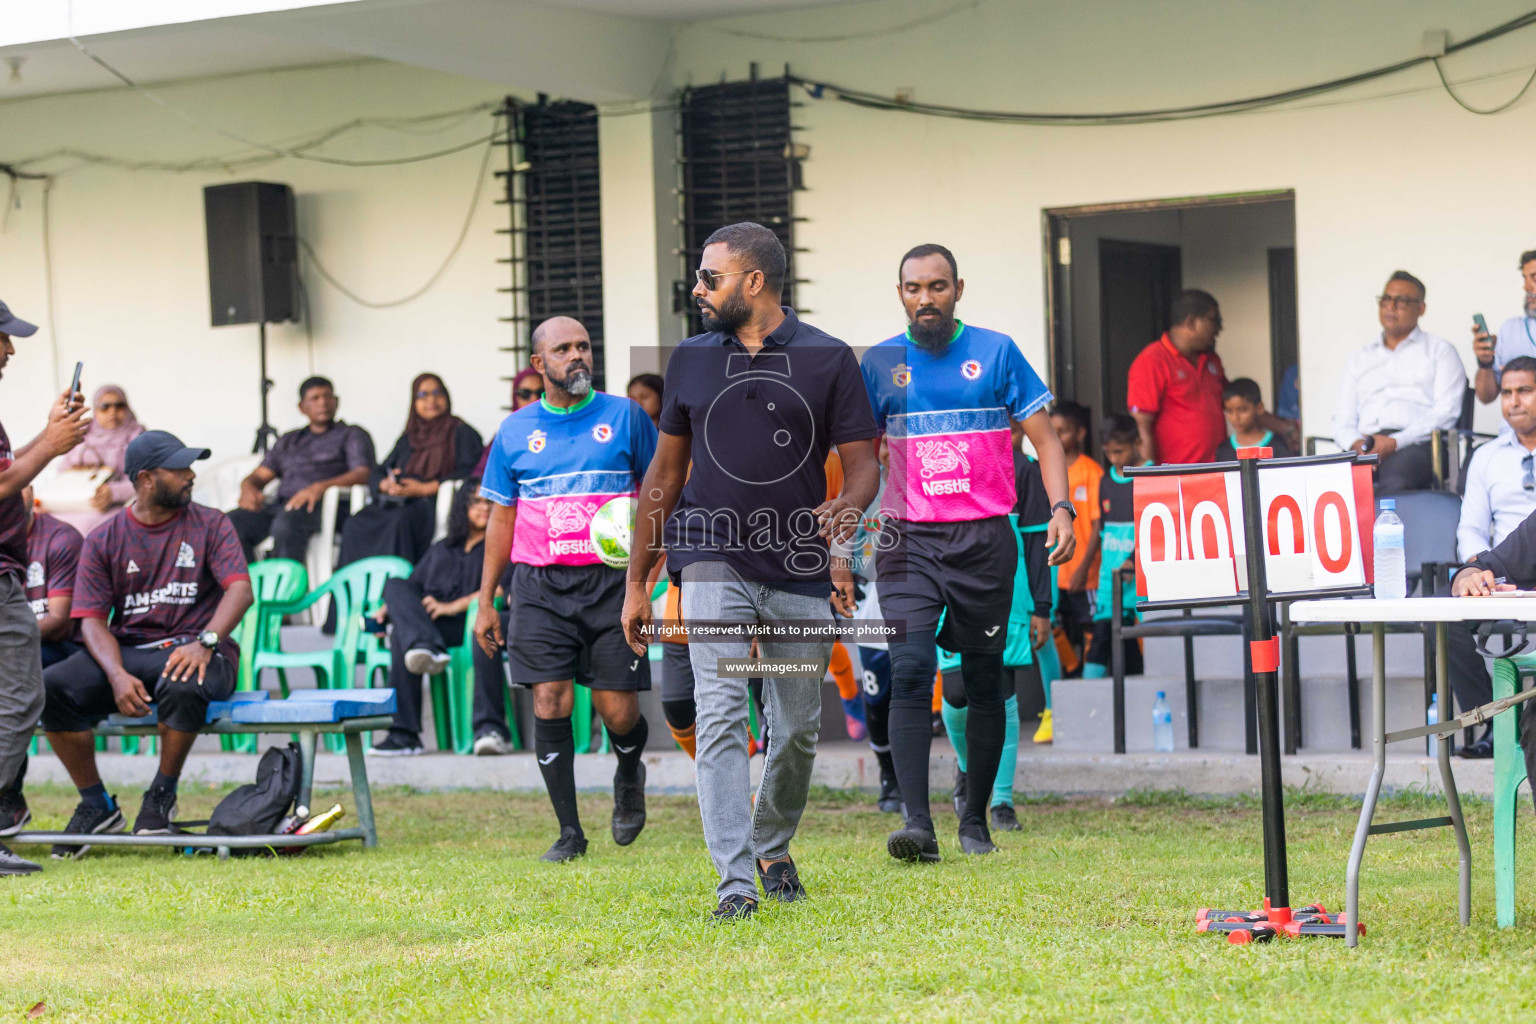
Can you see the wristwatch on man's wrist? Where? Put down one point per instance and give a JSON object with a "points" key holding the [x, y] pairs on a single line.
{"points": [[1067, 505], [209, 639]]}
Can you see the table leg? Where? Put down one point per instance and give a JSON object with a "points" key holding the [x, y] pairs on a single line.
{"points": [[1448, 779], [1373, 790], [361, 794], [307, 768]]}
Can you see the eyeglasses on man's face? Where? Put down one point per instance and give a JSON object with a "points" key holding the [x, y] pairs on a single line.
{"points": [[1396, 301], [711, 279]]}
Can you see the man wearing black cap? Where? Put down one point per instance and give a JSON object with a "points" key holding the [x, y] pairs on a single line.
{"points": [[172, 579], [21, 668]]}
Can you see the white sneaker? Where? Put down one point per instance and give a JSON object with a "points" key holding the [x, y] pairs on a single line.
{"points": [[492, 744], [421, 662]]}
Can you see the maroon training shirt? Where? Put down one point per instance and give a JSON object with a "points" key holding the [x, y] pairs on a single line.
{"points": [[158, 582], [53, 552], [13, 521]]}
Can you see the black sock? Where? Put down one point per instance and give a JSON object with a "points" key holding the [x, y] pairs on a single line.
{"points": [[911, 726], [164, 781], [14, 786], [96, 796], [877, 718], [630, 747], [555, 746], [680, 714], [985, 731]]}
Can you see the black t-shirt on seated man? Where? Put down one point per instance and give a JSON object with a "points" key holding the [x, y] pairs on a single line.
{"points": [[762, 426], [161, 582]]}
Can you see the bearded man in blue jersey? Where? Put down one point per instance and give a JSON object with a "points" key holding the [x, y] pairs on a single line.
{"points": [[946, 394]]}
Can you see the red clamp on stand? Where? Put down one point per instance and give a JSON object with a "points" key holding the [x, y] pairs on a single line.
{"points": [[1265, 654]]}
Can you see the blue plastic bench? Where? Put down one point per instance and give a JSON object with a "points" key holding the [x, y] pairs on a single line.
{"points": [[307, 714]]}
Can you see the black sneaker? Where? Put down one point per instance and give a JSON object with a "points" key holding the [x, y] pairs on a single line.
{"points": [[913, 845], [88, 820], [889, 800], [975, 840], [628, 806], [1480, 749], [396, 745], [1005, 819], [960, 792], [569, 846], [156, 812], [734, 907], [781, 881], [10, 864], [13, 812]]}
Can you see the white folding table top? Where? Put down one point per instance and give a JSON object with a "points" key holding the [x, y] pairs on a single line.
{"points": [[1417, 609]]}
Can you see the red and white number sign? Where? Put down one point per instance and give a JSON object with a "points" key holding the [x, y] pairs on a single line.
{"points": [[1190, 540]]}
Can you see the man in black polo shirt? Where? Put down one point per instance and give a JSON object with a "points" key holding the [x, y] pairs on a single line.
{"points": [[159, 589], [327, 453], [21, 668], [755, 403]]}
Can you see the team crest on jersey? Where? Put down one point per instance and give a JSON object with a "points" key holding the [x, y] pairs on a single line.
{"points": [[970, 369], [35, 577], [570, 516], [602, 433], [185, 557], [536, 441], [942, 457], [133, 566], [901, 375]]}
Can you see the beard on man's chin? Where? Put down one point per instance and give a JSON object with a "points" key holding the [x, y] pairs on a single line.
{"points": [[172, 495], [728, 317], [934, 335], [577, 382]]}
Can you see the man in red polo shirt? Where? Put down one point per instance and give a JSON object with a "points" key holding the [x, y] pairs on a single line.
{"points": [[1174, 389]]}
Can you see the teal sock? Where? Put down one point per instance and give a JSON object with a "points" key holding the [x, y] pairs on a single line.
{"points": [[1092, 670], [1002, 789], [954, 724], [1050, 669]]}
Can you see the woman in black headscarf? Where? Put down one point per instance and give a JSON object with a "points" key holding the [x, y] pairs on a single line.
{"points": [[435, 447]]}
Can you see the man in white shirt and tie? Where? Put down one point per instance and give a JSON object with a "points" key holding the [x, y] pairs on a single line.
{"points": [[1396, 391], [1516, 337], [1500, 494]]}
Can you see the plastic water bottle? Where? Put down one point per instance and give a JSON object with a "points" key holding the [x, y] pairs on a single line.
{"points": [[1162, 725], [1432, 717], [1391, 567]]}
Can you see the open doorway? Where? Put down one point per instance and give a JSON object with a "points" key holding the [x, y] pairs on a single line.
{"points": [[1116, 267]]}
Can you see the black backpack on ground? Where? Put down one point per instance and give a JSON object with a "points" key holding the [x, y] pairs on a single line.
{"points": [[258, 808]]}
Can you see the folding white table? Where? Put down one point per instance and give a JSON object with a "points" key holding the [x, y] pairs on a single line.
{"points": [[1423, 610]]}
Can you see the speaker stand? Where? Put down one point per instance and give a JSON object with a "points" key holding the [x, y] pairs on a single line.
{"points": [[266, 433]]}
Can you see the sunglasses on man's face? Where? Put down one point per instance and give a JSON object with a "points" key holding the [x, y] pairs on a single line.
{"points": [[711, 279], [528, 394]]}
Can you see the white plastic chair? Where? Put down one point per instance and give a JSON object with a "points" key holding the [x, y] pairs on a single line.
{"points": [[446, 492]]}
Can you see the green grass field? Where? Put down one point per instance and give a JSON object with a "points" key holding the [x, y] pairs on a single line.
{"points": [[1088, 915]]}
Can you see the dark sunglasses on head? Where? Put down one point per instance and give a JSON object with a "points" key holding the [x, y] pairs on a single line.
{"points": [[433, 393], [711, 279], [528, 394], [1529, 481]]}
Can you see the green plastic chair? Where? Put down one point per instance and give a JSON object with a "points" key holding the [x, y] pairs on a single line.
{"points": [[460, 686], [356, 590], [272, 580], [1508, 774]]}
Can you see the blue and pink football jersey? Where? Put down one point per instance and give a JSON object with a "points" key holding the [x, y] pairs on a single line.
{"points": [[945, 417], [558, 467]]}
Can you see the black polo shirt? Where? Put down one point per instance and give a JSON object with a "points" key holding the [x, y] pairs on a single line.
{"points": [[761, 426]]}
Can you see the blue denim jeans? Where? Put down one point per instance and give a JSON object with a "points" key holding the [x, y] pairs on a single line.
{"points": [[734, 831]]}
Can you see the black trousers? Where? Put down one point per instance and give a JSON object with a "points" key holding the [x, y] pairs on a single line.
{"points": [[414, 628], [387, 528], [53, 653], [78, 694], [1469, 673], [1407, 469], [290, 530]]}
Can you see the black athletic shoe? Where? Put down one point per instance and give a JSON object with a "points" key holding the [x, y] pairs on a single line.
{"points": [[88, 820], [628, 806], [781, 881], [10, 864], [975, 840], [1475, 751], [889, 800], [13, 812], [959, 792], [734, 908], [156, 812], [1004, 819], [569, 846], [913, 845]]}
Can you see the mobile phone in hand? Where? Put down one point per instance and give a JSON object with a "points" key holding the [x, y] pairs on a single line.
{"points": [[1482, 325], [74, 384]]}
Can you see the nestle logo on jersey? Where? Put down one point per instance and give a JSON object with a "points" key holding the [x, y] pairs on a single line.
{"points": [[571, 547], [937, 487], [171, 593]]}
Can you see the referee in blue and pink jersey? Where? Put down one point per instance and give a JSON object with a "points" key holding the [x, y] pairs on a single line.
{"points": [[945, 392], [553, 464]]}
